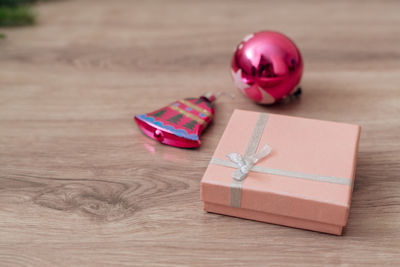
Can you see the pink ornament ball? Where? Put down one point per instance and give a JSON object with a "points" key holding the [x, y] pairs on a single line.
{"points": [[266, 67]]}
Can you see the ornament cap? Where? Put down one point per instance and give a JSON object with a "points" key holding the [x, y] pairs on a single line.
{"points": [[210, 96]]}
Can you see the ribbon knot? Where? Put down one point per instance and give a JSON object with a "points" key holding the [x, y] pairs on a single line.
{"points": [[244, 164]]}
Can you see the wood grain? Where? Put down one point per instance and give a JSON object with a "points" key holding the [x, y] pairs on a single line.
{"points": [[80, 185]]}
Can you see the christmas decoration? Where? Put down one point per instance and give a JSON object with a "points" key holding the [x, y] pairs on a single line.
{"points": [[179, 124], [266, 67]]}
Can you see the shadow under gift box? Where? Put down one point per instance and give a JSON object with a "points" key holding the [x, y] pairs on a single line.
{"points": [[305, 182]]}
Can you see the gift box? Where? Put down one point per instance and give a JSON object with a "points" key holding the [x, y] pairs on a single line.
{"points": [[284, 170]]}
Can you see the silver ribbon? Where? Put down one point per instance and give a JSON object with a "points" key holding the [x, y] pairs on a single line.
{"points": [[245, 164]]}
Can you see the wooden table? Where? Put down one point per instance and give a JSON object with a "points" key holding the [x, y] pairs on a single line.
{"points": [[80, 185]]}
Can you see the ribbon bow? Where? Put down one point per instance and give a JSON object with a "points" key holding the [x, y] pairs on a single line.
{"points": [[244, 164]]}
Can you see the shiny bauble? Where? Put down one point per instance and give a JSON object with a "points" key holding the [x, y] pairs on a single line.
{"points": [[266, 67]]}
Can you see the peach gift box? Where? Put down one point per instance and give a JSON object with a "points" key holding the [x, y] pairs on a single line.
{"points": [[305, 182]]}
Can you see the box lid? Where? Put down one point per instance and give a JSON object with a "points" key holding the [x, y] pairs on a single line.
{"points": [[309, 174]]}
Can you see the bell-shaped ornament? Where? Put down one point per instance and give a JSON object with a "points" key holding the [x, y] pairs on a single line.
{"points": [[180, 123]]}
